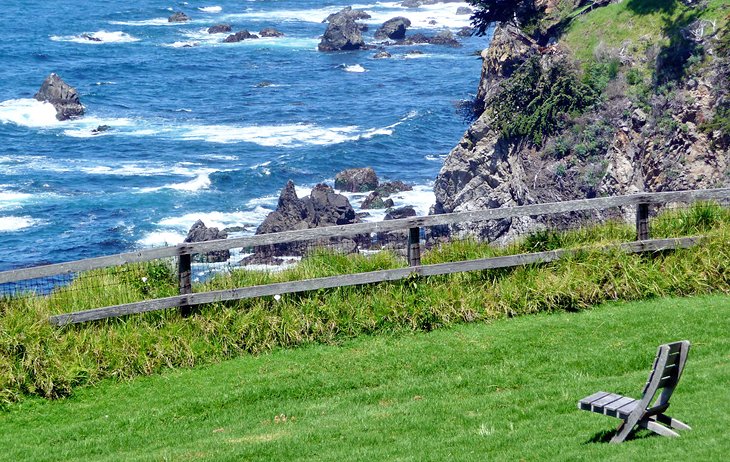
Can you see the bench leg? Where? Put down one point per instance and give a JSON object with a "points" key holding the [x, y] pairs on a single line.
{"points": [[657, 428], [673, 423], [622, 432]]}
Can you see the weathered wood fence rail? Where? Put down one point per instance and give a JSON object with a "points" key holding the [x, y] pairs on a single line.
{"points": [[184, 252]]}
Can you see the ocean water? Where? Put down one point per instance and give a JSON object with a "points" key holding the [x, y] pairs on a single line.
{"points": [[202, 129]]}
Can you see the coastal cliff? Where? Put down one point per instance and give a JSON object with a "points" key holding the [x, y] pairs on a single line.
{"points": [[561, 117]]}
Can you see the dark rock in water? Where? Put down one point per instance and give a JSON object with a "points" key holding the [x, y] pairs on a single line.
{"points": [[445, 38], [201, 233], [322, 208], [178, 17], [402, 212], [392, 187], [414, 52], [219, 29], [234, 229], [381, 55], [394, 29], [270, 32], [375, 201], [64, 97], [101, 129], [264, 83], [349, 13], [411, 3], [356, 180], [240, 36], [464, 10], [465, 32], [343, 32], [91, 38]]}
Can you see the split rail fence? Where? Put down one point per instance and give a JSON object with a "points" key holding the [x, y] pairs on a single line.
{"points": [[410, 226]]}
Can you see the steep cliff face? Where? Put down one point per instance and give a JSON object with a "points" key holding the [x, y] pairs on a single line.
{"points": [[621, 145]]}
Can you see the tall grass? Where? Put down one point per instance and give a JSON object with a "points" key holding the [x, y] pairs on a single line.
{"points": [[37, 359]]}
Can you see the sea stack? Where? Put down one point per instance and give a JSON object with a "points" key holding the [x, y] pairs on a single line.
{"points": [[63, 96]]}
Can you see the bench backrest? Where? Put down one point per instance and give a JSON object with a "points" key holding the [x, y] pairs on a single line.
{"points": [[667, 370]]}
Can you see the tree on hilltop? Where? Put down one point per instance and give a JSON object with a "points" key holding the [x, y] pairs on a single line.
{"points": [[518, 12]]}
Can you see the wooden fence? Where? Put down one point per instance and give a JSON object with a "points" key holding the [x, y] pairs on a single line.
{"points": [[185, 252]]}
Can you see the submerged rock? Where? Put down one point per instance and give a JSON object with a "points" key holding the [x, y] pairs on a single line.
{"points": [[381, 55], [64, 97]]}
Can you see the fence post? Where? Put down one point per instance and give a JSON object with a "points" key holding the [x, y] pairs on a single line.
{"points": [[184, 271], [414, 246], [642, 222]]}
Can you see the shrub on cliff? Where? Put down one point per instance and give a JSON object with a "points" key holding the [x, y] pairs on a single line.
{"points": [[523, 12], [536, 101]]}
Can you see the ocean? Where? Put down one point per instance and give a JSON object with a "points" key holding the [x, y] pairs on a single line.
{"points": [[201, 129]]}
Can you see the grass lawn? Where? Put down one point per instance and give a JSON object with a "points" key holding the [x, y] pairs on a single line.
{"points": [[505, 390]]}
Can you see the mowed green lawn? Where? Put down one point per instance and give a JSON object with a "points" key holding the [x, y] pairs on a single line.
{"points": [[506, 390]]}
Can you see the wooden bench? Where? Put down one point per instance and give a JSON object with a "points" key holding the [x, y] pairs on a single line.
{"points": [[665, 374]]}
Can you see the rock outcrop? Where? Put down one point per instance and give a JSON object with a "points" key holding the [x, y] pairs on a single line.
{"points": [[445, 38], [343, 32], [322, 208], [394, 29], [240, 36], [357, 180], [270, 32], [178, 17], [617, 147], [201, 233], [64, 97], [219, 29]]}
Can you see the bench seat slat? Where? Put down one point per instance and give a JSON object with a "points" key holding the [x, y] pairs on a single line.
{"points": [[585, 403]]}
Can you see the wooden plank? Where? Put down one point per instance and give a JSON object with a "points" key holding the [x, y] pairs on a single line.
{"points": [[357, 279], [414, 247], [184, 273], [87, 264], [642, 222], [585, 403], [600, 203]]}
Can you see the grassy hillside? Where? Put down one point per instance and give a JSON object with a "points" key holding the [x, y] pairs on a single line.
{"points": [[503, 390]]}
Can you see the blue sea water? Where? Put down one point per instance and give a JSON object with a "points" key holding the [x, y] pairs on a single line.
{"points": [[202, 129]]}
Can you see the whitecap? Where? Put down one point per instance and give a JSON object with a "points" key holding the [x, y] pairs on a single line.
{"points": [[28, 112], [162, 239], [210, 9], [355, 68], [12, 224], [97, 38], [182, 44], [220, 220], [198, 183]]}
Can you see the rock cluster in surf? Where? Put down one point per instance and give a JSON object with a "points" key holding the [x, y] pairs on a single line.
{"points": [[62, 96]]}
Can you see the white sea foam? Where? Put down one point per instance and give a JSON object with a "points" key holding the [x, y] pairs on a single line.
{"points": [[210, 9], [97, 38], [28, 112], [12, 224], [200, 182], [357, 68], [183, 44], [220, 220], [162, 238]]}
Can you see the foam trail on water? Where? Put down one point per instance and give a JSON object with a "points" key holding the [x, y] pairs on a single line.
{"points": [[12, 224], [97, 38], [200, 182], [161, 239], [210, 9]]}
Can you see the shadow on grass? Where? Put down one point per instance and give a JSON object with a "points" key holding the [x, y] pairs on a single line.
{"points": [[604, 436]]}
